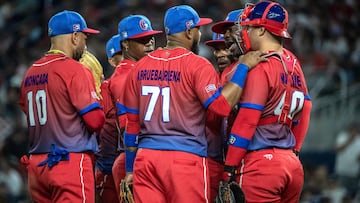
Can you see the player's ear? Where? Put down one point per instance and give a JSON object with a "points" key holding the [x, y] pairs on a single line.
{"points": [[261, 31], [125, 45], [189, 33], [75, 38]]}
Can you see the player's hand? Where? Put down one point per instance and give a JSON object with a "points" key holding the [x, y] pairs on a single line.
{"points": [[129, 177], [229, 173], [252, 58]]}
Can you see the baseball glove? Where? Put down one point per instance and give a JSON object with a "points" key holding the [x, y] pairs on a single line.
{"points": [[126, 194], [230, 193]]}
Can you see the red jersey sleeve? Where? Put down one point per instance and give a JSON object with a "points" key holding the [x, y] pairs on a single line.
{"points": [[83, 93]]}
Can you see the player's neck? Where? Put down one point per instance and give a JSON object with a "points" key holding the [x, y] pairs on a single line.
{"points": [[55, 51], [174, 43]]}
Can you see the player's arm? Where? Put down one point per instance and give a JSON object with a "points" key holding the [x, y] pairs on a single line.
{"points": [[132, 128], [121, 114], [130, 139], [301, 128], [94, 120], [241, 133], [232, 91]]}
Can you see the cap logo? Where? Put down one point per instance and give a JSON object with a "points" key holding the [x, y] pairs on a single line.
{"points": [[124, 35], [273, 15], [76, 27], [167, 30], [143, 24], [112, 51], [189, 24]]}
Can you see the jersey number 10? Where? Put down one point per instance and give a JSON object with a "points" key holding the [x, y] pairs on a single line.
{"points": [[40, 101]]}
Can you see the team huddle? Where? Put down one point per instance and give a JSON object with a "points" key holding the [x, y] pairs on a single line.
{"points": [[167, 126]]}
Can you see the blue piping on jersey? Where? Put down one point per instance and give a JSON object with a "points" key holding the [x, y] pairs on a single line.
{"points": [[212, 98], [130, 110], [121, 109], [307, 97], [252, 106], [182, 143], [89, 108]]}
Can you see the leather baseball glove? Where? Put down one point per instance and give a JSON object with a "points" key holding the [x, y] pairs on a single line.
{"points": [[230, 193], [126, 193]]}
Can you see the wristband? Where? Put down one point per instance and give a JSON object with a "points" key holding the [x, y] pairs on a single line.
{"points": [[130, 140], [240, 74], [129, 160]]}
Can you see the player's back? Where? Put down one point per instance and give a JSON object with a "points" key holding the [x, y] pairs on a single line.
{"points": [[174, 86], [52, 103], [265, 91]]}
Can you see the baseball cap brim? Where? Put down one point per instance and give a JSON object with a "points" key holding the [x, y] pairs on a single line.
{"points": [[204, 21], [221, 27], [91, 31], [214, 43], [144, 34]]}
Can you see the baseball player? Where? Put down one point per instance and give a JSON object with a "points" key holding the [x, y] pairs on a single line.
{"points": [[109, 137], [274, 112], [59, 99], [113, 51], [167, 94], [136, 40], [228, 28], [215, 132]]}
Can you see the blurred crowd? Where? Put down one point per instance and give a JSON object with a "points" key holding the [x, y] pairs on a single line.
{"points": [[325, 38]]}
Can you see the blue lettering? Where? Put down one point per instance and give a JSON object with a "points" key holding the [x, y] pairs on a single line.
{"points": [[159, 75], [33, 80]]}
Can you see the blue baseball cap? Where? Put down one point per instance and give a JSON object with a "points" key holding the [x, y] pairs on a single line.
{"points": [[67, 22], [113, 46], [135, 26], [217, 39], [180, 18], [230, 20]]}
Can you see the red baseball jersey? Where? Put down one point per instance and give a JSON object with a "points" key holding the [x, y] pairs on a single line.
{"points": [[228, 72], [54, 94], [155, 88], [109, 143], [117, 88], [264, 91]]}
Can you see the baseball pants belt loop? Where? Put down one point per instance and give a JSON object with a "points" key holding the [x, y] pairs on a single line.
{"points": [[55, 156]]}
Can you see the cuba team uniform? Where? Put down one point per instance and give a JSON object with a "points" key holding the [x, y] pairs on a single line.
{"points": [[217, 131], [61, 161], [117, 88], [274, 104], [172, 143], [110, 146]]}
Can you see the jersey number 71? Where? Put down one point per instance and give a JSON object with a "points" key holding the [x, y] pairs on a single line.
{"points": [[155, 93]]}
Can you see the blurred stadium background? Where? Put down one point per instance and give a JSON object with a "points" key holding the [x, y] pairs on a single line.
{"points": [[325, 38]]}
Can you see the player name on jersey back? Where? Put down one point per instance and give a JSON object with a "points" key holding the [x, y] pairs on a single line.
{"points": [[161, 75]]}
